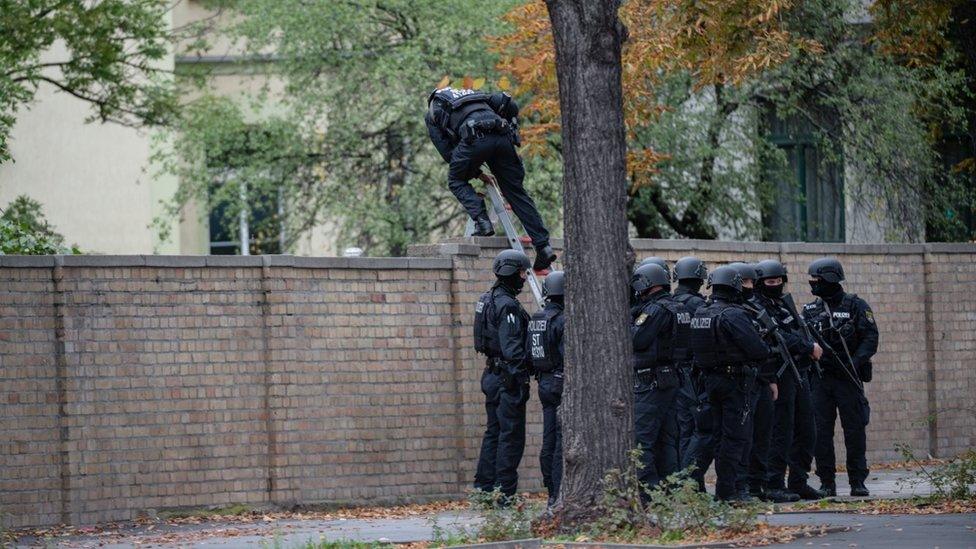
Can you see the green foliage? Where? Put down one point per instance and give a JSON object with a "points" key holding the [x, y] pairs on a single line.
{"points": [[25, 231], [679, 507], [356, 76], [621, 513], [630, 511], [952, 480], [112, 50], [503, 518], [346, 544]]}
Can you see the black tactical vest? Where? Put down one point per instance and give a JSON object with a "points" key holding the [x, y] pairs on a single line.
{"points": [[458, 104], [661, 352], [712, 346], [682, 343], [542, 341], [842, 322], [486, 331]]}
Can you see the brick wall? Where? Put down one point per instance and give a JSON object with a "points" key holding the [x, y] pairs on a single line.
{"points": [[142, 382]]}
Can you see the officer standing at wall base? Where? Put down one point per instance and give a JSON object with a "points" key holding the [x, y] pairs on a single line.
{"points": [[500, 327], [653, 328], [727, 348], [754, 467], [546, 348], [690, 273], [470, 128], [846, 324], [794, 427]]}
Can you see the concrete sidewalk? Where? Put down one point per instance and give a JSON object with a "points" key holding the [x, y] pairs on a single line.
{"points": [[289, 533]]}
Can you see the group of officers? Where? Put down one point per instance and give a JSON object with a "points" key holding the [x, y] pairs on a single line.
{"points": [[741, 378]]}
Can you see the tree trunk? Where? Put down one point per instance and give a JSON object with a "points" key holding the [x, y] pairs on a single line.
{"points": [[597, 410]]}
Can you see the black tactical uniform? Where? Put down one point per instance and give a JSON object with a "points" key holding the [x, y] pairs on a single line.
{"points": [[653, 327], [794, 428], [690, 272], [500, 327], [471, 128], [727, 347], [846, 323], [546, 347]]}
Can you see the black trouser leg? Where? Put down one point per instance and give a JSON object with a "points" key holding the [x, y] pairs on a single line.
{"points": [[782, 433], [742, 474], [505, 163], [652, 408], [761, 436], [465, 160], [484, 477], [728, 397], [551, 456], [684, 411], [701, 450], [825, 406], [852, 421], [511, 435], [804, 435]]}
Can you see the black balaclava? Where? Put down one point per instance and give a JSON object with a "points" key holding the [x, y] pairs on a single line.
{"points": [[558, 299], [692, 284], [514, 282], [727, 293], [747, 293], [771, 291], [826, 290]]}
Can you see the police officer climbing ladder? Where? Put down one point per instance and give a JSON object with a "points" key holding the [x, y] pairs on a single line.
{"points": [[471, 128]]}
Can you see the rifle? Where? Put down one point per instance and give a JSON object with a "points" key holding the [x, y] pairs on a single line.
{"points": [[791, 307], [848, 365], [784, 352]]}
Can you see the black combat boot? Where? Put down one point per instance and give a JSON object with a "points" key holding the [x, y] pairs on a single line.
{"points": [[778, 495], [544, 256], [858, 489], [483, 227], [829, 488], [805, 491]]}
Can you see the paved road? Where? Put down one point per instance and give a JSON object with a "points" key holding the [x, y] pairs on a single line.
{"points": [[887, 531]]}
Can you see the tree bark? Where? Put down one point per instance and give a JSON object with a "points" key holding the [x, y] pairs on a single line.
{"points": [[597, 406]]}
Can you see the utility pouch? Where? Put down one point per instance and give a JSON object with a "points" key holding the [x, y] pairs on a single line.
{"points": [[667, 377], [702, 414]]}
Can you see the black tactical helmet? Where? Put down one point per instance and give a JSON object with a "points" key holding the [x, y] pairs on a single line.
{"points": [[690, 267], [510, 262], [656, 261], [648, 276], [726, 276], [553, 284], [770, 268], [828, 269], [746, 270]]}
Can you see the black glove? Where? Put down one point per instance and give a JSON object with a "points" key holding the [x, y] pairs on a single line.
{"points": [[865, 371]]}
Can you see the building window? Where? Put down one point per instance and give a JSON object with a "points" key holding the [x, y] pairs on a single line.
{"points": [[807, 202], [246, 204]]}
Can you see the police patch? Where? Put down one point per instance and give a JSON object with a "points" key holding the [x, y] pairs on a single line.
{"points": [[640, 320], [869, 314]]}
